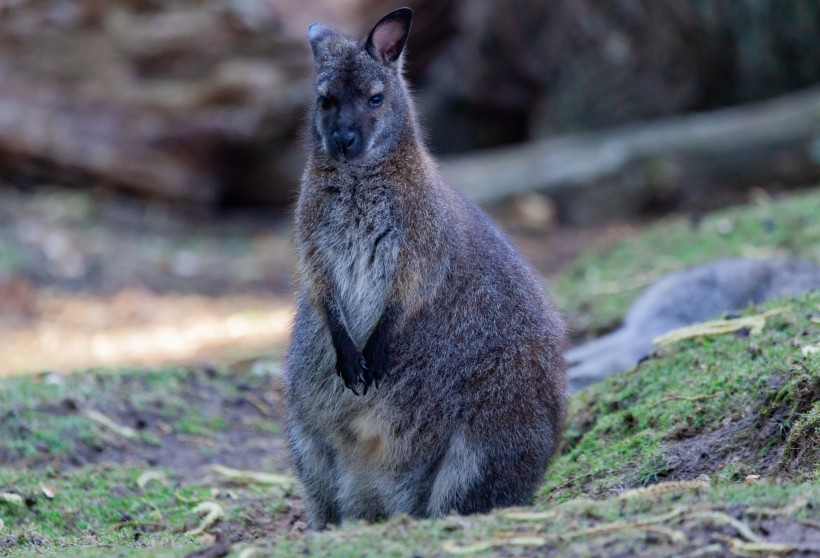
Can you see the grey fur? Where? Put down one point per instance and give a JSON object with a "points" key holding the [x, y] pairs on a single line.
{"points": [[467, 346], [684, 298]]}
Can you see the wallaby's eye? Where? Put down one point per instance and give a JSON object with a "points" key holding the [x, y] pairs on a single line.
{"points": [[375, 100]]}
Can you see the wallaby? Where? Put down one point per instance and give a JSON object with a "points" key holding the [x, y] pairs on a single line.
{"points": [[686, 297], [424, 374]]}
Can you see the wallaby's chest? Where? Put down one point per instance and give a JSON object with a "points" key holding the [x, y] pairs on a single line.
{"points": [[357, 246]]}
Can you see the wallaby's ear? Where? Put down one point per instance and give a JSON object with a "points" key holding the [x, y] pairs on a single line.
{"points": [[388, 37], [317, 33]]}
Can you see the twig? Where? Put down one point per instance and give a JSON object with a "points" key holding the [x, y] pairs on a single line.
{"points": [[810, 523]]}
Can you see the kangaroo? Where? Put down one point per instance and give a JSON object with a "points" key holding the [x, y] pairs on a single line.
{"points": [[686, 297], [424, 373]]}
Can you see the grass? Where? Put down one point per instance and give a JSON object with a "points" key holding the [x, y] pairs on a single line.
{"points": [[44, 416]]}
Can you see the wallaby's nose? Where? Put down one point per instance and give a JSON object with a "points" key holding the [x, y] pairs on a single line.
{"points": [[344, 139]]}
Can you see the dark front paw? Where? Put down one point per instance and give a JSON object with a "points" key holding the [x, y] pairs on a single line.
{"points": [[377, 360], [351, 367]]}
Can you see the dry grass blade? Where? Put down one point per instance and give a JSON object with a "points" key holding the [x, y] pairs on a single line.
{"points": [[675, 536], [758, 549], [451, 547], [213, 513], [106, 422], [719, 517], [149, 476], [519, 515], [772, 512], [253, 477], [664, 488], [754, 324]]}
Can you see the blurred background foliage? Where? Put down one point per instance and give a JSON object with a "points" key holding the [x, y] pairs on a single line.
{"points": [[202, 101]]}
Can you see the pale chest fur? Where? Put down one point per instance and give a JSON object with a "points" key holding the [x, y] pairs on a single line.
{"points": [[355, 245]]}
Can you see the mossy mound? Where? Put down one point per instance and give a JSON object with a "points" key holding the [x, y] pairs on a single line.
{"points": [[721, 407]]}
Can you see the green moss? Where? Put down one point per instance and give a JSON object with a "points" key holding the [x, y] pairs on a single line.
{"points": [[44, 415], [97, 506], [92, 505]]}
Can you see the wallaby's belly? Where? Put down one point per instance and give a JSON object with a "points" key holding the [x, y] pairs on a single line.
{"points": [[358, 290]]}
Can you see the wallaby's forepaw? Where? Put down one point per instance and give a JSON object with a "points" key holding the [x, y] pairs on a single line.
{"points": [[353, 369], [377, 359]]}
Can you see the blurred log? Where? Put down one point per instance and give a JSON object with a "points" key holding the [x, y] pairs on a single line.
{"points": [[196, 101], [743, 146], [527, 69]]}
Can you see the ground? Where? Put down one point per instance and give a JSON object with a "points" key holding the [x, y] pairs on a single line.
{"points": [[709, 448]]}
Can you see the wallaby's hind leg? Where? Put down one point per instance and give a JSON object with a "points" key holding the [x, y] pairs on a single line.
{"points": [[358, 496], [315, 464], [470, 480]]}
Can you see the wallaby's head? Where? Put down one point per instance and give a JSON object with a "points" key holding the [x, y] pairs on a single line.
{"points": [[362, 106]]}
